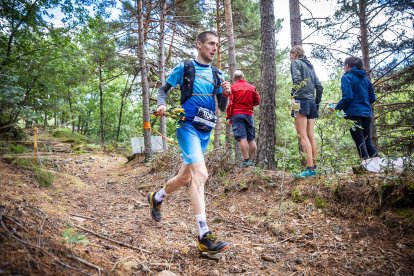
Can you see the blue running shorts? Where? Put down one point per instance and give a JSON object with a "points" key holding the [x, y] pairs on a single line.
{"points": [[193, 143]]}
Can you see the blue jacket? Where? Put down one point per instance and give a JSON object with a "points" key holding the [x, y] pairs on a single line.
{"points": [[357, 94]]}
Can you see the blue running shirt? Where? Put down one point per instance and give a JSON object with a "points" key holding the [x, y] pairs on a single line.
{"points": [[201, 86]]}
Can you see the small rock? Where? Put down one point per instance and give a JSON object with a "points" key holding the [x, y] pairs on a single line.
{"points": [[130, 207], [167, 273], [259, 249], [78, 219], [101, 166], [214, 273], [298, 260], [232, 209], [130, 265], [236, 269]]}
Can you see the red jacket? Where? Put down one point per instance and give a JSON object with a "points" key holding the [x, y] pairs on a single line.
{"points": [[242, 99]]}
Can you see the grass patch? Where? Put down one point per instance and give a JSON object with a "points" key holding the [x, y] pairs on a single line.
{"points": [[43, 177], [66, 135], [71, 236], [320, 203], [21, 162], [297, 196], [16, 149]]}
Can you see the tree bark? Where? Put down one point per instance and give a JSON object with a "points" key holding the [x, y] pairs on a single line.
{"points": [[232, 67], [267, 136], [295, 23], [161, 66], [217, 129], [101, 112], [144, 83], [363, 27], [296, 39]]}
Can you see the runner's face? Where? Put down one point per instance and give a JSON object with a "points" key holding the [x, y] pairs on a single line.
{"points": [[293, 55], [208, 48]]}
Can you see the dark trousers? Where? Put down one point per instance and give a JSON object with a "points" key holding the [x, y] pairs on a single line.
{"points": [[361, 134]]}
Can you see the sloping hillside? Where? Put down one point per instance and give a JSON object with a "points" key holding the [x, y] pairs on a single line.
{"points": [[94, 219]]}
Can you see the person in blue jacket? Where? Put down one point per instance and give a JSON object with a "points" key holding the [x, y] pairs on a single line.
{"points": [[357, 97]]}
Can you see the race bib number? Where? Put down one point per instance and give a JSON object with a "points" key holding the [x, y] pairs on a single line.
{"points": [[205, 120]]}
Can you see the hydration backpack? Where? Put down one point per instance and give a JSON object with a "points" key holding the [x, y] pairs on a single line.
{"points": [[189, 77]]}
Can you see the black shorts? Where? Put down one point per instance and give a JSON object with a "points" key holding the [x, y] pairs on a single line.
{"points": [[307, 108]]}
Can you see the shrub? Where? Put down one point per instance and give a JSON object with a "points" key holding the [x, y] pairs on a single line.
{"points": [[16, 149], [297, 196], [68, 136], [43, 177]]}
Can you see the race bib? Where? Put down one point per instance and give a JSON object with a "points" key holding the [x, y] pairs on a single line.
{"points": [[205, 120]]}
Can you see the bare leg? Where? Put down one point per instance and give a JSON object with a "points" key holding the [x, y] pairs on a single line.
{"points": [[301, 128], [252, 149], [199, 177], [312, 140], [182, 178], [244, 148]]}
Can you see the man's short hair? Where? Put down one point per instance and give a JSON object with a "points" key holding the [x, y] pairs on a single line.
{"points": [[354, 62], [202, 37], [238, 75]]}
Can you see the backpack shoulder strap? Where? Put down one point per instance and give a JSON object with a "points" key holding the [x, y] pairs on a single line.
{"points": [[216, 79], [188, 81]]}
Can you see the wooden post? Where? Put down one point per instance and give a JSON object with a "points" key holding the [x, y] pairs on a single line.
{"points": [[35, 145]]}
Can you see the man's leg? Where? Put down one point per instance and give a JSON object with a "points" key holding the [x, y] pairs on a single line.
{"points": [[244, 148], [206, 241], [252, 149]]}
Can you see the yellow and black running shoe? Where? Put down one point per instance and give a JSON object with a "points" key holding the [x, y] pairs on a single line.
{"points": [[155, 207], [209, 244]]}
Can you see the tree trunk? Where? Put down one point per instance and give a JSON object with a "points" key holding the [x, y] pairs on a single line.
{"points": [[45, 121], [232, 67], [79, 123], [296, 39], [161, 66], [295, 23], [101, 112], [217, 129], [174, 28], [363, 27], [71, 112], [121, 109], [267, 137], [144, 83]]}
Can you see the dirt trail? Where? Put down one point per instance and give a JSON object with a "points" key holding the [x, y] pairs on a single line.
{"points": [[105, 199]]}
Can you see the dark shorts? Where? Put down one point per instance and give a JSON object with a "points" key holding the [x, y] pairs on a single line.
{"points": [[307, 108], [243, 127]]}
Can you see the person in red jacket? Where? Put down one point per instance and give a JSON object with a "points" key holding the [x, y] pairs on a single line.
{"points": [[243, 98]]}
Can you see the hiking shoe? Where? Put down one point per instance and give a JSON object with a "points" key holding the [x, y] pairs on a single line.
{"points": [[209, 244], [251, 163], [246, 164], [155, 207], [306, 173]]}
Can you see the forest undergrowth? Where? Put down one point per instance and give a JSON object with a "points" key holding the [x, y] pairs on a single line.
{"points": [[93, 219]]}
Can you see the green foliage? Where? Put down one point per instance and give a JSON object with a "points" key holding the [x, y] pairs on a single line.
{"points": [[17, 148], [71, 236], [297, 195], [43, 177], [320, 203], [21, 162], [67, 135]]}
